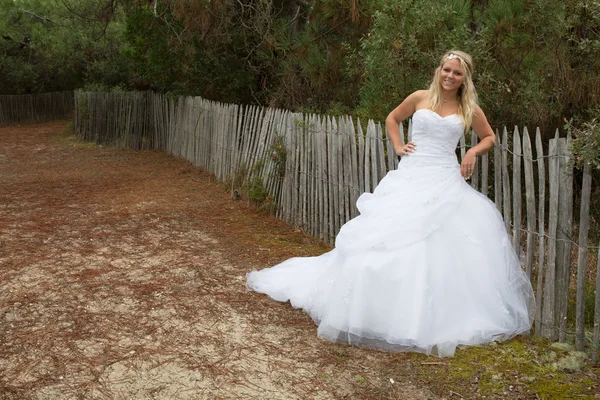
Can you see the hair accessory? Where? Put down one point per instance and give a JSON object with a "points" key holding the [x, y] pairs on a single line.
{"points": [[452, 56]]}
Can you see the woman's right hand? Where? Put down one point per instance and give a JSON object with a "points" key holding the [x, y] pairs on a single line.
{"points": [[406, 149]]}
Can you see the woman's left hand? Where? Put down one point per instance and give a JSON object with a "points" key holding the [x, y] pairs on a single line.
{"points": [[467, 166]]}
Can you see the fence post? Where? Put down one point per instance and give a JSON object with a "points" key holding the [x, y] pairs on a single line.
{"points": [[541, 227], [530, 201], [584, 223], [563, 234], [516, 192], [506, 181], [548, 317]]}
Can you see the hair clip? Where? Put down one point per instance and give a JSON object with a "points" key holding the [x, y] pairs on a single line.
{"points": [[452, 56]]}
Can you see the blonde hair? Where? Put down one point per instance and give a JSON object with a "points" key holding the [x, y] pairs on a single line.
{"points": [[467, 95]]}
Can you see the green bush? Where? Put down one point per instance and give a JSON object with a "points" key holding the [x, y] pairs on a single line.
{"points": [[586, 138]]}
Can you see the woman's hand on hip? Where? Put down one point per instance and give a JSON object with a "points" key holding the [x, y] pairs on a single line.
{"points": [[406, 148]]}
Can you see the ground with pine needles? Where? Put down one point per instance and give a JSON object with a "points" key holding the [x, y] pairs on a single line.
{"points": [[122, 276]]}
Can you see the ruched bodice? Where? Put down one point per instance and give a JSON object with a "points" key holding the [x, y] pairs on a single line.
{"points": [[435, 136]]}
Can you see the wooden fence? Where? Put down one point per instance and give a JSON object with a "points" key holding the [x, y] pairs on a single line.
{"points": [[34, 108], [315, 167]]}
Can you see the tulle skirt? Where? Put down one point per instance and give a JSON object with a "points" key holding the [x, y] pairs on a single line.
{"points": [[426, 266]]}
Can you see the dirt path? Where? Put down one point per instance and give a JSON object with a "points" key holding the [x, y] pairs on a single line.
{"points": [[122, 277]]}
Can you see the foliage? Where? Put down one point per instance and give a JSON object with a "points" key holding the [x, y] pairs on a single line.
{"points": [[404, 46], [256, 190], [247, 183], [586, 138], [279, 155], [536, 62], [47, 47]]}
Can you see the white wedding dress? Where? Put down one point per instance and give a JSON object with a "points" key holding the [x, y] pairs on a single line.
{"points": [[426, 266]]}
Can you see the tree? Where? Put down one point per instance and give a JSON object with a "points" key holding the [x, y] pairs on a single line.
{"points": [[46, 45]]}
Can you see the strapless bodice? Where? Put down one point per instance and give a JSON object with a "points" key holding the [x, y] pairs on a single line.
{"points": [[435, 136]]}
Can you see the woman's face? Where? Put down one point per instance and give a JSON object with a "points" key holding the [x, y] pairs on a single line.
{"points": [[452, 75]]}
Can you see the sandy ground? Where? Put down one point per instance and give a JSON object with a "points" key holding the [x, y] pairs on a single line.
{"points": [[122, 277]]}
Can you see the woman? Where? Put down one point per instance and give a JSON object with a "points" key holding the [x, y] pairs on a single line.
{"points": [[427, 265]]}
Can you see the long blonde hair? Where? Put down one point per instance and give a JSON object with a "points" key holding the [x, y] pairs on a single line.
{"points": [[467, 95]]}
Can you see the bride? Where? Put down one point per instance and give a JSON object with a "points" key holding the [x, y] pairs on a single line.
{"points": [[427, 265]]}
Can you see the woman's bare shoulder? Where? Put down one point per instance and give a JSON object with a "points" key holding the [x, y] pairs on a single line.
{"points": [[420, 94], [419, 99]]}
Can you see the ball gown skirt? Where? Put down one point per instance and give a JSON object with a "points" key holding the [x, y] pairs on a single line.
{"points": [[426, 266]]}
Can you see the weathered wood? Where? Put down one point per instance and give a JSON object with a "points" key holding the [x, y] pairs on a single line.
{"points": [[564, 234], [475, 176], [346, 165], [279, 168], [549, 307], [392, 159], [355, 186], [396, 158], [311, 181], [35, 108], [362, 186], [259, 161], [530, 202], [224, 138], [271, 177], [198, 150], [235, 145], [286, 187], [234, 150], [485, 174], [298, 128], [498, 172], [372, 139], [366, 161], [332, 170], [254, 139], [506, 182], [596, 338], [335, 176], [541, 229], [516, 239], [229, 141], [584, 223], [290, 170], [320, 129], [247, 135], [302, 203], [381, 170]]}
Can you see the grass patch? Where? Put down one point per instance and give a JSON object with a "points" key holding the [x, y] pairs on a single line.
{"points": [[524, 367], [67, 137]]}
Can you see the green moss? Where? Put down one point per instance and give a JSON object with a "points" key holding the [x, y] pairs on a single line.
{"points": [[563, 386], [525, 366]]}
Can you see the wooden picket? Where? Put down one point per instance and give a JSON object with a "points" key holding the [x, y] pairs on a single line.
{"points": [[35, 108]]}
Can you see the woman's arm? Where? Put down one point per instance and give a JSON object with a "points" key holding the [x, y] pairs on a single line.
{"points": [[487, 139], [483, 129], [399, 114]]}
